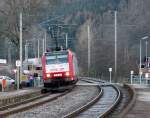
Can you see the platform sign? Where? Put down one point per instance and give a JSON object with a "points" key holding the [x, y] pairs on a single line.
{"points": [[147, 76], [18, 63], [131, 72], [3, 61], [110, 69], [24, 78]]}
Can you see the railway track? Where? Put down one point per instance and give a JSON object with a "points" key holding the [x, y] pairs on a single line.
{"points": [[57, 108], [118, 109], [109, 99], [29, 103], [84, 102]]}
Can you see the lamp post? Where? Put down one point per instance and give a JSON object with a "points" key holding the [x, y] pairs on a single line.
{"points": [[146, 43], [115, 37], [143, 38], [140, 60], [20, 30], [89, 48], [66, 40], [38, 50], [26, 51]]}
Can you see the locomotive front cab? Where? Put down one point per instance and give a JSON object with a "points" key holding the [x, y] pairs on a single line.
{"points": [[57, 69]]}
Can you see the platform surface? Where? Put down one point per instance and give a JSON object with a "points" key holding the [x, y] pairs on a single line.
{"points": [[141, 108], [18, 92]]}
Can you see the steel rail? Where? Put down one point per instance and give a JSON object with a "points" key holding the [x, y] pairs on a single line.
{"points": [[114, 105], [86, 106], [23, 102], [128, 104], [25, 105], [91, 103]]}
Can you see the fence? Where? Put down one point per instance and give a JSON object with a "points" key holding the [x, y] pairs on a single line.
{"points": [[136, 79]]}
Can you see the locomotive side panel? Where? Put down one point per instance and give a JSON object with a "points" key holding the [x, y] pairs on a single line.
{"points": [[75, 66]]}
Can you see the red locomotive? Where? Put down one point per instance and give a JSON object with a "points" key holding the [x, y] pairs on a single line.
{"points": [[59, 69]]}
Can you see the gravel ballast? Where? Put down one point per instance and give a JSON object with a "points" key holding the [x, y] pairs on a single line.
{"points": [[61, 106]]}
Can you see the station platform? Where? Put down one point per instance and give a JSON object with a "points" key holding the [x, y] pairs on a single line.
{"points": [[11, 97], [18, 92], [141, 108]]}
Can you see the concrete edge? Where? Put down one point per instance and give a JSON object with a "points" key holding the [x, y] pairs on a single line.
{"points": [[131, 102]]}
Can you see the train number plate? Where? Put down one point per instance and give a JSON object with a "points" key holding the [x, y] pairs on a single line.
{"points": [[57, 75]]}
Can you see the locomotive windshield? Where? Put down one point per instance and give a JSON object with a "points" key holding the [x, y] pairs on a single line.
{"points": [[54, 59]]}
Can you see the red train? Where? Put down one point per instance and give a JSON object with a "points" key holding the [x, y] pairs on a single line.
{"points": [[59, 69]]}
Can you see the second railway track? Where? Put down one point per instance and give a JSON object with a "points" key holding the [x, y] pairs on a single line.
{"points": [[109, 99]]}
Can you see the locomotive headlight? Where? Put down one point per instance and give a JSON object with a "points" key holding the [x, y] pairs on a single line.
{"points": [[48, 75], [67, 74]]}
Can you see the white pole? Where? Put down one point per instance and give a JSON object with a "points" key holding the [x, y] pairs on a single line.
{"points": [[131, 77], [110, 76], [140, 61], [110, 70], [146, 77], [66, 40], [89, 49], [20, 50], [115, 28]]}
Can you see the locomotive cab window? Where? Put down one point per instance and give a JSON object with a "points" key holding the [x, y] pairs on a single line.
{"points": [[53, 59], [62, 58], [50, 59]]}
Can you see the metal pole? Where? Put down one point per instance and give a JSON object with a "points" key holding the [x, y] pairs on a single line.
{"points": [[110, 70], [45, 41], [140, 60], [110, 76], [115, 28], [20, 50], [146, 77], [2, 85], [131, 76], [66, 40], [26, 51], [43, 46], [89, 49], [9, 54], [38, 51], [17, 78], [146, 55], [131, 79]]}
